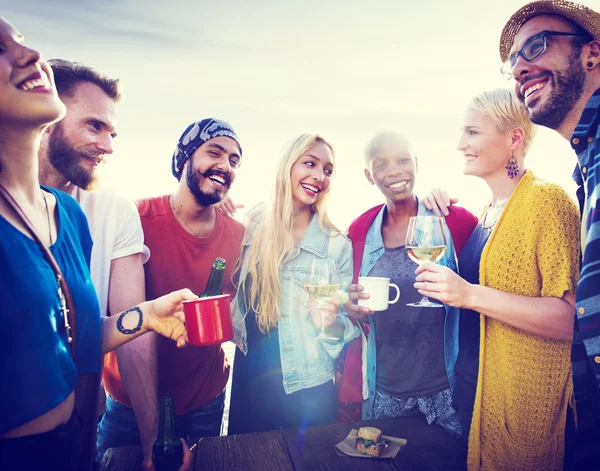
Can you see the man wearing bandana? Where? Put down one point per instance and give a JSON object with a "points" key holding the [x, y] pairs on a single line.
{"points": [[185, 234]]}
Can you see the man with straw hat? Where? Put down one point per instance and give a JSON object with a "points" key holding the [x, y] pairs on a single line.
{"points": [[552, 50]]}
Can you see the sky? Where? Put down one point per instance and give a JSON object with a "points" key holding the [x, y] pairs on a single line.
{"points": [[345, 69]]}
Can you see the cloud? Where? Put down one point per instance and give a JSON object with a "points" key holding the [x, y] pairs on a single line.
{"points": [[108, 23]]}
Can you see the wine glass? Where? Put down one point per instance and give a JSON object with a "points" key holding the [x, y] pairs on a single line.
{"points": [[322, 283], [425, 242]]}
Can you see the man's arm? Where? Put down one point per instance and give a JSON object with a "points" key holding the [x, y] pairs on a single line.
{"points": [[136, 359]]}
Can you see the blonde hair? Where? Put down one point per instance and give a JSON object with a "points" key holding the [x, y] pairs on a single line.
{"points": [[272, 244], [503, 107]]}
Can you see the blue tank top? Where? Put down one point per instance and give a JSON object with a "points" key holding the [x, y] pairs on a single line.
{"points": [[36, 369]]}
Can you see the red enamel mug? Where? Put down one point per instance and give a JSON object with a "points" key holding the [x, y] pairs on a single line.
{"points": [[208, 320]]}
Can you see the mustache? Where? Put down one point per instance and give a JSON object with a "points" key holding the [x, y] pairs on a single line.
{"points": [[529, 77], [97, 156], [209, 173]]}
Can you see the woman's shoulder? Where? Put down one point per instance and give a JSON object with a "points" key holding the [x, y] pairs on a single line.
{"points": [[539, 184], [322, 232], [62, 197], [547, 195], [329, 229], [340, 237], [253, 218], [256, 213], [338, 242], [543, 202], [67, 203]]}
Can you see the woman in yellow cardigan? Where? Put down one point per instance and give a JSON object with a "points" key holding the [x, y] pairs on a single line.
{"points": [[519, 272]]}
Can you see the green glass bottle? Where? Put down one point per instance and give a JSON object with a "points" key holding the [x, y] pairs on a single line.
{"points": [[215, 279], [167, 452]]}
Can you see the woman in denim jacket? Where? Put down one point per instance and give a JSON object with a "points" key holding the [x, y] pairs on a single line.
{"points": [[286, 378], [410, 351]]}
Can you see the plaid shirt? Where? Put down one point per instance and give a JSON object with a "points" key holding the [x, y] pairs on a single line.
{"points": [[586, 340]]}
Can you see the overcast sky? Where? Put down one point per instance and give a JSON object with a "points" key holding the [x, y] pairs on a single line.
{"points": [[346, 69]]}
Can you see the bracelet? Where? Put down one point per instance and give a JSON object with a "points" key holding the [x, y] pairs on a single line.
{"points": [[137, 328]]}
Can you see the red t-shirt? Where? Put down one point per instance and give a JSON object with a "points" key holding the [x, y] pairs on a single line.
{"points": [[193, 376]]}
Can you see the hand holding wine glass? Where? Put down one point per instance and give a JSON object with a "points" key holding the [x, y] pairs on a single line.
{"points": [[425, 242], [322, 284], [441, 283]]}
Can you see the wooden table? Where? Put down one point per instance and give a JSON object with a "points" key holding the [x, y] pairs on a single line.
{"points": [[429, 448]]}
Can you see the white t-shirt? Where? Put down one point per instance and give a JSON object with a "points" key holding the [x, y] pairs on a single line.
{"points": [[116, 231]]}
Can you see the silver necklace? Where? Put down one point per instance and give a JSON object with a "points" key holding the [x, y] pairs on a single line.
{"points": [[61, 295], [498, 209], [171, 199]]}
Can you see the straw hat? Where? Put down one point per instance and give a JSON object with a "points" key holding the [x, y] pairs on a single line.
{"points": [[583, 16]]}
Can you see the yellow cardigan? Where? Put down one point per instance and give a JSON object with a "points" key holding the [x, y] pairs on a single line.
{"points": [[524, 384]]}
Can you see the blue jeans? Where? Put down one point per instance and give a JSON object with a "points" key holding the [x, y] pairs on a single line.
{"points": [[118, 426]]}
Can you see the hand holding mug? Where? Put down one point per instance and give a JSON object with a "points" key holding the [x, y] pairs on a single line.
{"points": [[355, 294], [378, 289], [165, 315], [208, 320]]}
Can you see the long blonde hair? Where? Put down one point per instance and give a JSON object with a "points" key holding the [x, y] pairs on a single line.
{"points": [[270, 228]]}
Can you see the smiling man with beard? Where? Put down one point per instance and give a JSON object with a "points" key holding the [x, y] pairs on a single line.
{"points": [[185, 234], [67, 160], [72, 151], [567, 82], [552, 50]]}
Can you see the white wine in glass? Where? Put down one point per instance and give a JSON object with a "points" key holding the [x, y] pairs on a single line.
{"points": [[426, 254], [322, 283], [322, 293], [425, 242]]}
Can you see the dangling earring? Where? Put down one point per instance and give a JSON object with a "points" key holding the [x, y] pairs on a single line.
{"points": [[512, 166]]}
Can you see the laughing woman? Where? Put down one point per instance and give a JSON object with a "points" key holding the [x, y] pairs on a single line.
{"points": [[38, 426], [286, 378], [520, 269]]}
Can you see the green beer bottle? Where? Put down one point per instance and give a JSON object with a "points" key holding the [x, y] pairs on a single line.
{"points": [[167, 452], [215, 279]]}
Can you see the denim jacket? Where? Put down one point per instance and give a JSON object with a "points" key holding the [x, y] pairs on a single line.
{"points": [[374, 249], [306, 362]]}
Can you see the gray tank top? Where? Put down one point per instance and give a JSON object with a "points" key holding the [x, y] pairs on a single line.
{"points": [[409, 340]]}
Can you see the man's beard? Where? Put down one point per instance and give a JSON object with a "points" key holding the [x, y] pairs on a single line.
{"points": [[567, 88], [66, 160], [203, 198]]}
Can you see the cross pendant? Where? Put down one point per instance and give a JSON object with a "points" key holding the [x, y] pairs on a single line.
{"points": [[63, 308]]}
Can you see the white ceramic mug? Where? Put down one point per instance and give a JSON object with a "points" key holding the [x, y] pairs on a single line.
{"points": [[378, 290]]}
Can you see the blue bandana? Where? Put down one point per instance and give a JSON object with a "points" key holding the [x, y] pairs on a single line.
{"points": [[194, 136]]}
